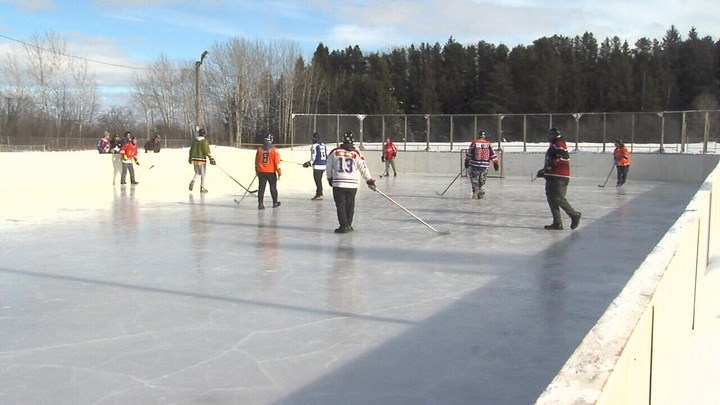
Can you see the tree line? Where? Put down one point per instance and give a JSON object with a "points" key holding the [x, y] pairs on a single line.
{"points": [[251, 88]]}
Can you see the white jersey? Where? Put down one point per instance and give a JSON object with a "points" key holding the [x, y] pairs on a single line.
{"points": [[346, 168]]}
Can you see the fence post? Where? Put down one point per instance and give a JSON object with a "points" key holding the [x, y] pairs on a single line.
{"points": [[604, 131], [500, 135], [662, 132], [361, 117], [577, 131], [427, 134], [452, 131], [405, 136], [683, 133], [632, 132], [524, 135], [706, 132]]}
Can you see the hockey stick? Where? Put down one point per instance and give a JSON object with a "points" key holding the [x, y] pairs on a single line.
{"points": [[414, 216], [608, 176], [533, 177], [233, 179], [246, 191], [295, 163], [448, 187], [145, 167]]}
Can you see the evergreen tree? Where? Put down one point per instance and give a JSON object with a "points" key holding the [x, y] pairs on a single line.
{"points": [[451, 87], [669, 63], [695, 71]]}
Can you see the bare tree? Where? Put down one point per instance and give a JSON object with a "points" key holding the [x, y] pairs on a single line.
{"points": [[85, 102], [117, 120], [165, 89]]}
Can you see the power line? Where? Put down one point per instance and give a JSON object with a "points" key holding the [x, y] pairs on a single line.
{"points": [[74, 56]]}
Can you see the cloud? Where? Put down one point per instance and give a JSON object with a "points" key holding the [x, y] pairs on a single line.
{"points": [[513, 22], [35, 5]]}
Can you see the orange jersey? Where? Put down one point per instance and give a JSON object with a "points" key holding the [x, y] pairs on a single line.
{"points": [[267, 160], [621, 154]]}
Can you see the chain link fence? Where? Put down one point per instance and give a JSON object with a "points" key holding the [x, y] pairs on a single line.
{"points": [[668, 131], [695, 131]]}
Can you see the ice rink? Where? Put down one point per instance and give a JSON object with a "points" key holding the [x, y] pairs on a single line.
{"points": [[151, 295]]}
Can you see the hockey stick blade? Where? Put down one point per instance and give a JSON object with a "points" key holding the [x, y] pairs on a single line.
{"points": [[450, 185], [246, 191], [607, 178]]}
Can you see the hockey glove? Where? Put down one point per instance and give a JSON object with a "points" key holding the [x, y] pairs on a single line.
{"points": [[212, 161], [540, 173], [329, 179], [496, 166], [306, 164], [371, 184], [394, 155], [382, 158], [137, 163], [467, 164], [190, 160]]}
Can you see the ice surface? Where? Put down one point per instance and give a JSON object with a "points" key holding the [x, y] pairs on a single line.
{"points": [[153, 294]]}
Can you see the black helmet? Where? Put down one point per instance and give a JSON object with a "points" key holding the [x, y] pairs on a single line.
{"points": [[481, 134], [201, 132], [268, 138], [554, 133], [316, 136], [348, 137]]}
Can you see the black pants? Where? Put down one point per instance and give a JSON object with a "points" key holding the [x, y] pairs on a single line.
{"points": [[555, 190], [345, 205], [263, 180], [622, 172], [317, 176]]}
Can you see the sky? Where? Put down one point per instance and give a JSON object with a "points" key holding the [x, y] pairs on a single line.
{"points": [[135, 33]]}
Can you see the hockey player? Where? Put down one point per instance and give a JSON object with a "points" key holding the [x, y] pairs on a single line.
{"points": [[198, 157], [621, 157], [267, 168], [389, 153], [345, 166], [318, 161], [128, 155], [477, 161], [557, 177]]}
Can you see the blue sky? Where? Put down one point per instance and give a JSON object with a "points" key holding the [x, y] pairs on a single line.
{"points": [[136, 32]]}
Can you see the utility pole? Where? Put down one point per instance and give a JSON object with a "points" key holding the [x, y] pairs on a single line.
{"points": [[197, 89]]}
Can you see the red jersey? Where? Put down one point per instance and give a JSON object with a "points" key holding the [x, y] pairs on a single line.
{"points": [[129, 152], [389, 151], [557, 159]]}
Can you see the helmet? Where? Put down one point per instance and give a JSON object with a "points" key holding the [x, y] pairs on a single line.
{"points": [[316, 136], [554, 133], [268, 138], [619, 142], [348, 137], [481, 134], [201, 132]]}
